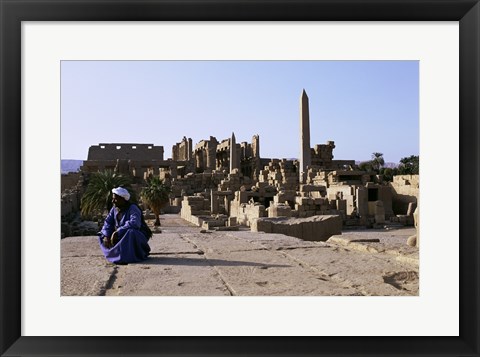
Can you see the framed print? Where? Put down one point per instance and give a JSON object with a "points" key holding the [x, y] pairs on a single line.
{"points": [[41, 40]]}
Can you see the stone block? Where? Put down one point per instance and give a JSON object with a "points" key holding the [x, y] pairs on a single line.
{"points": [[308, 230], [350, 204], [301, 200], [411, 208], [362, 202], [326, 226], [341, 205], [309, 188], [332, 196], [209, 224], [299, 208], [279, 228], [379, 212], [317, 228], [258, 211], [242, 196], [279, 210], [292, 228], [261, 225], [405, 220]]}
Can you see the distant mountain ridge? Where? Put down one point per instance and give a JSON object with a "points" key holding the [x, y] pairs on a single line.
{"points": [[390, 165], [70, 166]]}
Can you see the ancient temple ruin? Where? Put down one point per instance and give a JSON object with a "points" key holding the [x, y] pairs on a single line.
{"points": [[224, 184]]}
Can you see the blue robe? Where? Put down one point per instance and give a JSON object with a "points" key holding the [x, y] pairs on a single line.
{"points": [[133, 245]]}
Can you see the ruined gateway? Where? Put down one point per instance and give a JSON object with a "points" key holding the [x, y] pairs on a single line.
{"points": [[225, 184]]}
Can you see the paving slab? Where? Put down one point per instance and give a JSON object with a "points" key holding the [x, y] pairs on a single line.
{"points": [[260, 273], [370, 274], [274, 241], [83, 246], [85, 275], [179, 275], [391, 242], [219, 241], [171, 243]]}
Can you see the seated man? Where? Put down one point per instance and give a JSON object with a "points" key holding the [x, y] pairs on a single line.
{"points": [[123, 238]]}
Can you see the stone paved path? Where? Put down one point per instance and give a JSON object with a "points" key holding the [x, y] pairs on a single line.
{"points": [[186, 262]]}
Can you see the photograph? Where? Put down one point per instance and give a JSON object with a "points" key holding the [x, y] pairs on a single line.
{"points": [[226, 178], [240, 178]]}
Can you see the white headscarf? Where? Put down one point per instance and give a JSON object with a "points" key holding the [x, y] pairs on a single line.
{"points": [[120, 191]]}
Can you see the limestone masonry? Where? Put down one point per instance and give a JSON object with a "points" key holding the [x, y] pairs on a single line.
{"points": [[222, 184]]}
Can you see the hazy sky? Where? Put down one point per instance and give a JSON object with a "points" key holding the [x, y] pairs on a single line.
{"points": [[364, 106]]}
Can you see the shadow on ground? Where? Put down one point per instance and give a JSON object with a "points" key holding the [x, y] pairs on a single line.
{"points": [[155, 260]]}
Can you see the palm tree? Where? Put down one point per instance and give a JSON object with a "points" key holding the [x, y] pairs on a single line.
{"points": [[365, 166], [409, 165], [98, 194], [377, 161], [156, 196]]}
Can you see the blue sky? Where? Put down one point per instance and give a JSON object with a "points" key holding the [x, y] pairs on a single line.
{"points": [[364, 106]]}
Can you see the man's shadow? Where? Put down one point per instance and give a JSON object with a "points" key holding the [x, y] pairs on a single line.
{"points": [[156, 260]]}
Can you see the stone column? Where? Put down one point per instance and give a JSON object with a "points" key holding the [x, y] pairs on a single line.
{"points": [[211, 153], [256, 157], [362, 202], [189, 149], [175, 152], [305, 151], [213, 202], [173, 171], [227, 204], [256, 146], [233, 153], [198, 158]]}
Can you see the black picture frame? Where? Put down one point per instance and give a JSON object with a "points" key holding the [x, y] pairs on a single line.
{"points": [[13, 12]]}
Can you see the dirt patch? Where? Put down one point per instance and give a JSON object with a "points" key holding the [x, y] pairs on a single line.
{"points": [[403, 280]]}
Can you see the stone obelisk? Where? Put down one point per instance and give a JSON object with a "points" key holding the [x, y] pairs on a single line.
{"points": [[233, 153], [305, 151]]}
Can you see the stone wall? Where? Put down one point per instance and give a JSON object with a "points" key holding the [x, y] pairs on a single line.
{"points": [[234, 181], [405, 189], [70, 180], [195, 183], [312, 200], [70, 202], [214, 155], [354, 201], [196, 210], [194, 207], [125, 151], [245, 213], [182, 151], [322, 154], [280, 174], [247, 205], [205, 154], [138, 169], [71, 195]]}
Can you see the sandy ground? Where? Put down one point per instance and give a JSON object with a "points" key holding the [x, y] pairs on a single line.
{"points": [[186, 262]]}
